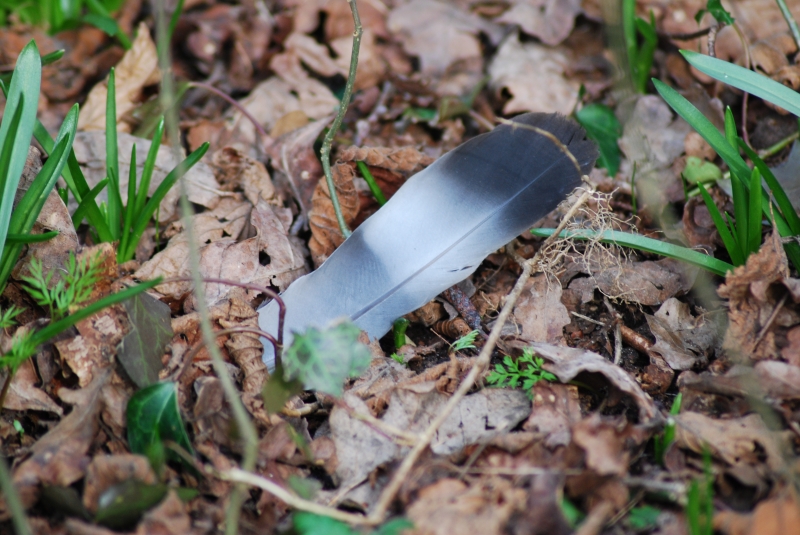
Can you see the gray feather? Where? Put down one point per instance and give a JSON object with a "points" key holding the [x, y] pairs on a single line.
{"points": [[437, 229]]}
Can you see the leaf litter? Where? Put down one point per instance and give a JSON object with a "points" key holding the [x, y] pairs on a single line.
{"points": [[504, 460]]}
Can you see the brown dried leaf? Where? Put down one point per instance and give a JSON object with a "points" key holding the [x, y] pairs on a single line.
{"points": [[406, 160], [754, 292], [540, 312], [736, 441], [107, 470], [314, 97], [451, 506], [556, 408], [137, 70], [606, 444], [170, 517], [325, 234], [24, 395], [551, 22], [775, 516], [683, 340], [566, 363], [534, 75], [60, 458], [90, 150]]}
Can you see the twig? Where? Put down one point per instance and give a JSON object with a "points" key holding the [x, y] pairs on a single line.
{"points": [[325, 151], [587, 318], [712, 39], [686, 36], [790, 21], [481, 362], [615, 321], [768, 324], [238, 475]]}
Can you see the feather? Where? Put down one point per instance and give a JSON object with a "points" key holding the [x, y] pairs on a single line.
{"points": [[437, 229]]}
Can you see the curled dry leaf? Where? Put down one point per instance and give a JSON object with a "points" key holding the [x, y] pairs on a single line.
{"points": [[24, 395], [556, 409], [325, 233], [566, 363], [756, 291], [137, 70], [534, 75], [170, 517], [607, 443], [90, 150], [551, 22], [745, 440], [683, 340], [315, 99]]}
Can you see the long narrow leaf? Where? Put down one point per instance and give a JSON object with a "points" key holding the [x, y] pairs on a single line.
{"points": [[124, 240], [746, 80], [740, 198], [112, 159], [20, 112], [730, 129], [727, 238], [143, 218], [781, 199], [754, 218], [709, 132], [88, 202], [149, 166], [649, 245], [30, 238]]}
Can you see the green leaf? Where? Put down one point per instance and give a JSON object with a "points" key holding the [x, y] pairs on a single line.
{"points": [[112, 159], [122, 505], [754, 217], [714, 7], [31, 238], [311, 524], [373, 185], [746, 80], [16, 128], [153, 415], [88, 203], [141, 350], [278, 390], [603, 127], [323, 360], [644, 518], [699, 170], [724, 232], [399, 332], [649, 245]]}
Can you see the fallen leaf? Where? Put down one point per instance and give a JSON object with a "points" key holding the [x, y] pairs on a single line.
{"points": [[566, 363], [325, 233], [59, 458], [90, 150], [745, 440], [540, 312], [682, 340], [551, 22], [775, 516], [451, 506], [24, 395], [137, 70], [107, 470], [534, 75], [556, 408], [141, 349], [606, 444]]}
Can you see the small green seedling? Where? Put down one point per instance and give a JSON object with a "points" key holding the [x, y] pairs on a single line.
{"points": [[523, 372], [74, 287], [664, 440], [640, 55], [700, 501], [465, 342]]}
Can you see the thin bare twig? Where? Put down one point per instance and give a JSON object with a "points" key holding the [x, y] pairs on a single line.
{"points": [[325, 151]]}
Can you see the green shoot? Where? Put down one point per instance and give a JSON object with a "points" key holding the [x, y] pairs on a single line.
{"points": [[715, 9], [644, 518], [523, 372], [664, 440], [700, 501], [399, 329], [398, 358], [602, 127], [7, 317], [373, 185], [465, 342], [640, 57], [74, 288]]}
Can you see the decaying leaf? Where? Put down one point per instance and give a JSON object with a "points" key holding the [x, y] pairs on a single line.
{"points": [[540, 313], [137, 70], [683, 340], [552, 22], [534, 75], [325, 233], [141, 349]]}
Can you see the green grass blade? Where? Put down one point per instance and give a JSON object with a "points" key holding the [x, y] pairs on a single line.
{"points": [[147, 172], [60, 326], [124, 239], [754, 217], [143, 218], [649, 245], [709, 132], [730, 129], [112, 158], [724, 232], [781, 199], [19, 117], [373, 185], [88, 203], [30, 238], [740, 199], [746, 80]]}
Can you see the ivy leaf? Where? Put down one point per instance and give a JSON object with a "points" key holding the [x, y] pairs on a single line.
{"points": [[153, 415], [602, 127], [122, 505], [323, 360]]}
